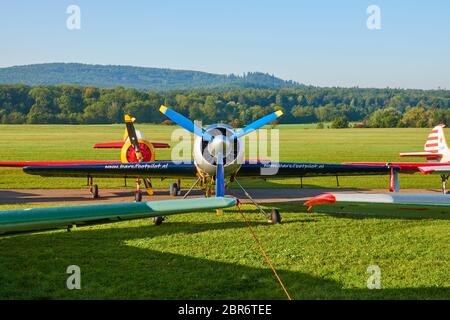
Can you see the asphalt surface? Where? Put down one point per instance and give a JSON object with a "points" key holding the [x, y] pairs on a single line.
{"points": [[82, 196]]}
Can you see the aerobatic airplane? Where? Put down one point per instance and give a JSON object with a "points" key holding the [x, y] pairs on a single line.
{"points": [[218, 159], [436, 152], [134, 148]]}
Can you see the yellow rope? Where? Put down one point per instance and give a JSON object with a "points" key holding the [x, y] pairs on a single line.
{"points": [[266, 257]]}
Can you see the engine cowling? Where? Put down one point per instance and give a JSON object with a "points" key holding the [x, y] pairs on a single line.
{"points": [[205, 151]]}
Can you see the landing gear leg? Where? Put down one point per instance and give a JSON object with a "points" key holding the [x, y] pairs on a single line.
{"points": [[174, 189], [93, 188], [208, 191], [444, 178], [138, 192], [274, 217]]}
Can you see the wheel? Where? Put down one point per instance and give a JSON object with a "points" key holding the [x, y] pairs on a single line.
{"points": [[95, 191], [173, 190], [158, 220], [178, 190], [275, 217], [138, 196]]}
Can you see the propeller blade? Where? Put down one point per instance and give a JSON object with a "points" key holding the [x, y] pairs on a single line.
{"points": [[220, 176], [257, 124], [185, 123], [129, 122]]}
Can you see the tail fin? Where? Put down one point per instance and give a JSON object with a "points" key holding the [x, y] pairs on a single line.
{"points": [[435, 147], [436, 142]]}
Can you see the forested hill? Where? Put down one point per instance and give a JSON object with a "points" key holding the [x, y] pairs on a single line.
{"points": [[109, 76], [364, 107]]}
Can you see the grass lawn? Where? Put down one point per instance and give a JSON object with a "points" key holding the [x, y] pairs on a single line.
{"points": [[205, 256], [319, 256]]}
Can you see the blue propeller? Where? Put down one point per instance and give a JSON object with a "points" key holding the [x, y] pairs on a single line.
{"points": [[220, 176], [191, 127], [257, 124], [185, 123]]}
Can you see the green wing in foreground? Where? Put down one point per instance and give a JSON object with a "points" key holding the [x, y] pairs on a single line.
{"points": [[61, 217]]}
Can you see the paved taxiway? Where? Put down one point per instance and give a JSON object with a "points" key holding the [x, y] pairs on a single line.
{"points": [[82, 196]]}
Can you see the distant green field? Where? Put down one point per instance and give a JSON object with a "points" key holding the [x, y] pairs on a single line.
{"points": [[319, 256], [297, 143]]}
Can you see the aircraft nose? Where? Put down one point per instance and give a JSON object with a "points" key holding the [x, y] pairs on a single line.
{"points": [[219, 144]]}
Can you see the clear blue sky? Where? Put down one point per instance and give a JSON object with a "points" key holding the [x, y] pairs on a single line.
{"points": [[316, 42]]}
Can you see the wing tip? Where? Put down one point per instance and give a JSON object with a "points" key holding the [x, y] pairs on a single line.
{"points": [[320, 199], [278, 113], [425, 170]]}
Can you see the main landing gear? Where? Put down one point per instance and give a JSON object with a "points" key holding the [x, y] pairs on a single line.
{"points": [[138, 192], [444, 178], [273, 218], [175, 189], [138, 196], [93, 188], [158, 220]]}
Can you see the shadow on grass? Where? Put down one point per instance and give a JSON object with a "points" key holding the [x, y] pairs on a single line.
{"points": [[34, 267]]}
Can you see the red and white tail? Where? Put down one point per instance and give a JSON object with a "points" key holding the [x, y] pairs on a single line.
{"points": [[436, 142], [435, 147]]}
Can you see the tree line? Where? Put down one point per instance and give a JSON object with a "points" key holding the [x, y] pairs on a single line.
{"points": [[68, 104]]}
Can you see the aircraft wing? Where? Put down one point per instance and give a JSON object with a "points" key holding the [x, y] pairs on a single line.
{"points": [[299, 169], [441, 169], [12, 221], [21, 164], [158, 169], [119, 145], [380, 203], [169, 169], [428, 155], [404, 167]]}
